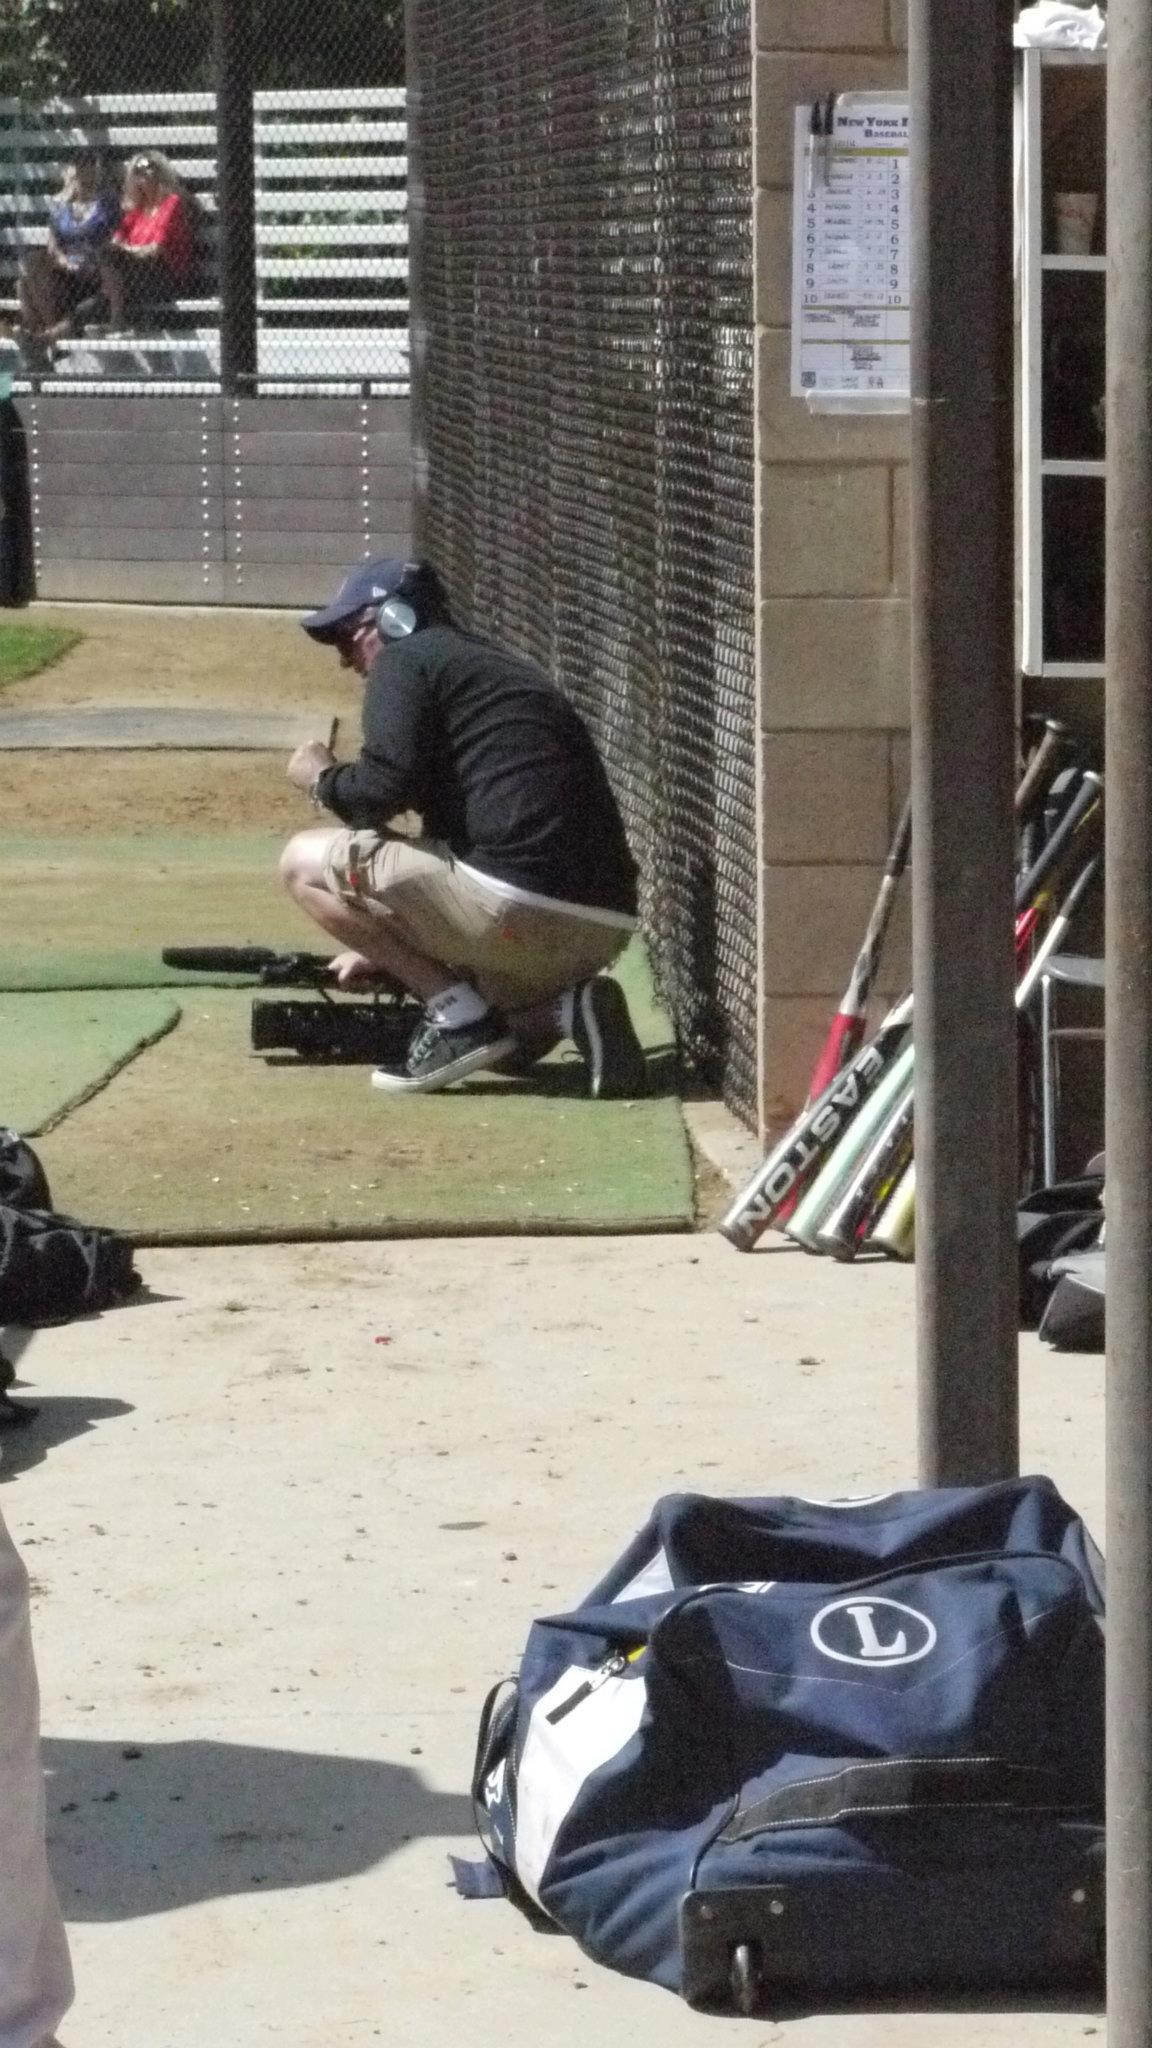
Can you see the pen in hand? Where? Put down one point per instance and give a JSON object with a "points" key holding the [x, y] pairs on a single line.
{"points": [[333, 731]]}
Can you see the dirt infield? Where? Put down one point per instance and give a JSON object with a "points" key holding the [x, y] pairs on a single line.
{"points": [[133, 655], [236, 661], [124, 792]]}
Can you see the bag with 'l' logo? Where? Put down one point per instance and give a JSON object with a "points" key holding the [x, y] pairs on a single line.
{"points": [[787, 1752]]}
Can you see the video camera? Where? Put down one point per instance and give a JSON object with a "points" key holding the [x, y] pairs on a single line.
{"points": [[331, 1028]]}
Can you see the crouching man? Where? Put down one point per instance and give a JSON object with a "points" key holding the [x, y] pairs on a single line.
{"points": [[504, 915]]}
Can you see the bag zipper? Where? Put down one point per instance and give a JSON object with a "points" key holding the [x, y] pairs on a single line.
{"points": [[615, 1667]]}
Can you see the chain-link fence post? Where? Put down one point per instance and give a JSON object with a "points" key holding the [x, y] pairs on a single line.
{"points": [[233, 70]]}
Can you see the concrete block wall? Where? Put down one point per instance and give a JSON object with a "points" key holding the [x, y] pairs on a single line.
{"points": [[832, 587]]}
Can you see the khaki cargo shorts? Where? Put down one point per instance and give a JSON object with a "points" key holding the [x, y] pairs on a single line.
{"points": [[515, 953]]}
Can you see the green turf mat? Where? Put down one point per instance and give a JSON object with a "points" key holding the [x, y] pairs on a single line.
{"points": [[26, 968], [97, 911], [58, 1050], [200, 1142]]}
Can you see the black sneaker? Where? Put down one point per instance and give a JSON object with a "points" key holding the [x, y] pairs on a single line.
{"points": [[440, 1054], [606, 1041], [526, 1056]]}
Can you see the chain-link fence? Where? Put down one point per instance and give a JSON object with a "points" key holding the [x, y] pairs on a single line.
{"points": [[197, 192], [582, 292]]}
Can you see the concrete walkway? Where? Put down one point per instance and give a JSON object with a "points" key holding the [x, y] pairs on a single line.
{"points": [[290, 1516], [148, 727]]}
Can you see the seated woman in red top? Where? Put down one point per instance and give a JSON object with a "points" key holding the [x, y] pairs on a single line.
{"points": [[152, 251]]}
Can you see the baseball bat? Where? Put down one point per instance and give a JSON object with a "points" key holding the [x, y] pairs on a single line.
{"points": [[1057, 931], [848, 1223], [844, 1168], [1082, 808], [772, 1191], [842, 1164], [1037, 773], [895, 1230], [846, 1030], [813, 1133], [880, 1174], [1040, 774]]}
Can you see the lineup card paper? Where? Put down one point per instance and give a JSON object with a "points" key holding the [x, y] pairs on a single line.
{"points": [[850, 309]]}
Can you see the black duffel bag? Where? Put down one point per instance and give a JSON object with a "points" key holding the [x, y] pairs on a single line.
{"points": [[1053, 1223], [52, 1268], [1073, 1318], [23, 1181]]}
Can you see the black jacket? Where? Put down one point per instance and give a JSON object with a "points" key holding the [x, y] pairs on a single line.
{"points": [[497, 763]]}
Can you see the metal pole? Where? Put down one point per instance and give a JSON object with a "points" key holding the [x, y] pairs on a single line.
{"points": [[1128, 756], [417, 315], [233, 58], [963, 739]]}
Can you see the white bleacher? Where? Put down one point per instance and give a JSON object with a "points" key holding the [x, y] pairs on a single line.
{"points": [[331, 233]]}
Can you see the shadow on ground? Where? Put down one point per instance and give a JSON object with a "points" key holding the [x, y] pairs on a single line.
{"points": [[34, 1427], [54, 1422], [569, 1077], [147, 1828]]}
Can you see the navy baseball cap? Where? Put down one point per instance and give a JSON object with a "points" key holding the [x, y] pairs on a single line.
{"points": [[371, 583]]}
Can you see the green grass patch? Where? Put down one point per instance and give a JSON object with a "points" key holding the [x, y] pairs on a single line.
{"points": [[57, 1050], [25, 650]]}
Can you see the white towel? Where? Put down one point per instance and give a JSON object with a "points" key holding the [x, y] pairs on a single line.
{"points": [[1057, 25]]}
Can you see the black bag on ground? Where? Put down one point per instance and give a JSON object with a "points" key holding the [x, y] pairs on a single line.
{"points": [[1053, 1223], [23, 1181], [1073, 1319], [51, 1267]]}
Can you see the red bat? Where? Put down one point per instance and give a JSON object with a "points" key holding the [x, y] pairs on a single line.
{"points": [[846, 1031]]}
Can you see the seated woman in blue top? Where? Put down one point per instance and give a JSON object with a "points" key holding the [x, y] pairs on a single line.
{"points": [[58, 278]]}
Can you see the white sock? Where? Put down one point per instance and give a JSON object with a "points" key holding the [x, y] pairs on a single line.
{"points": [[456, 1006], [565, 1011]]}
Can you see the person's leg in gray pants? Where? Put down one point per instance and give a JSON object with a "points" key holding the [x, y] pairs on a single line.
{"points": [[35, 1971]]}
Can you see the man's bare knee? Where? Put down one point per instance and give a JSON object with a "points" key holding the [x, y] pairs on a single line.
{"points": [[302, 861], [293, 870]]}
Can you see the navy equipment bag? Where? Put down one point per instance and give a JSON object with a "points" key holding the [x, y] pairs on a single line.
{"points": [[787, 1751]]}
